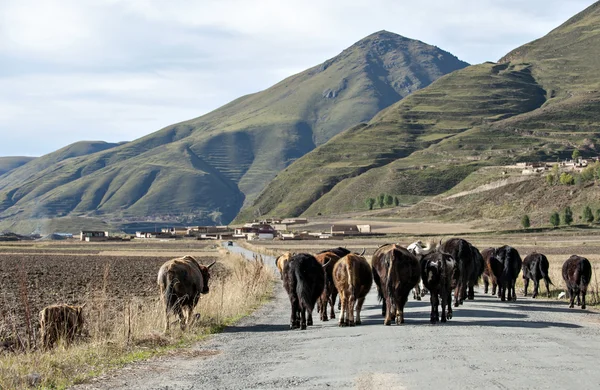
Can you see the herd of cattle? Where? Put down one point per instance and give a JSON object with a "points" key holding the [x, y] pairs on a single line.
{"points": [[317, 280], [454, 265]]}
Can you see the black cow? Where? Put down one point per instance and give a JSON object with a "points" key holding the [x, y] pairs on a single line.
{"points": [[511, 266], [396, 272], [461, 252], [492, 269], [535, 267], [304, 280], [476, 271], [577, 274], [437, 270]]}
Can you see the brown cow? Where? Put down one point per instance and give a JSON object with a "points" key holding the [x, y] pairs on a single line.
{"points": [[181, 281], [396, 272], [353, 279], [281, 260], [492, 269], [329, 292], [60, 321]]}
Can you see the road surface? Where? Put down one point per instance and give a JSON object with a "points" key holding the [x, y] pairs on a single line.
{"points": [[488, 344]]}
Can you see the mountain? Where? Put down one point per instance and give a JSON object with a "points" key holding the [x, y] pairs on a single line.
{"points": [[205, 169], [537, 103], [9, 163]]}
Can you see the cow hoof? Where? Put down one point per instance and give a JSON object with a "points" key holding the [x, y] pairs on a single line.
{"points": [[583, 307], [303, 327], [449, 315], [324, 319], [418, 298], [358, 322], [387, 322], [309, 322], [351, 323], [294, 326], [571, 306], [443, 319], [342, 324]]}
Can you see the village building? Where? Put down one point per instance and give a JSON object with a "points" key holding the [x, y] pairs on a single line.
{"points": [[93, 235]]}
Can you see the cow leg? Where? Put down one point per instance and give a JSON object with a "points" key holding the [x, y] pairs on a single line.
{"points": [[343, 314], [332, 297], [400, 303], [456, 295], [494, 287], [350, 309], [536, 286], [417, 293], [383, 307], [463, 293], [294, 321], [583, 292], [449, 304], [433, 298], [525, 285], [578, 297], [571, 297], [181, 315], [323, 306], [302, 317], [486, 284], [547, 282], [514, 290], [471, 293], [390, 313], [359, 305]]}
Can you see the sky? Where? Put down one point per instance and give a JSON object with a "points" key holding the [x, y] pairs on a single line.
{"points": [[116, 70]]}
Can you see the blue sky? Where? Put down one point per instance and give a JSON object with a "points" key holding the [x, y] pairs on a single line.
{"points": [[116, 70]]}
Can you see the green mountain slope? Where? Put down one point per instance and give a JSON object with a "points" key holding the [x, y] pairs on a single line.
{"points": [[539, 102], [10, 163], [206, 168]]}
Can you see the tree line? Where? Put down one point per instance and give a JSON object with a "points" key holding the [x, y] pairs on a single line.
{"points": [[566, 217], [382, 201]]}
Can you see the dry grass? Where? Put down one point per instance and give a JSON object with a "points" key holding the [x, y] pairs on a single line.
{"points": [[119, 331]]}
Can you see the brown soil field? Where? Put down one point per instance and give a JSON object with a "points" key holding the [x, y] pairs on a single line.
{"points": [[34, 276]]}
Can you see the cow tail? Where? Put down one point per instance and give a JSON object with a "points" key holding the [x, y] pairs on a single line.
{"points": [[544, 268], [304, 291], [350, 280], [505, 267], [389, 283], [581, 269], [170, 283]]}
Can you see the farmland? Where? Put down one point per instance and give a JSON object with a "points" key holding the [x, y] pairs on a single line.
{"points": [[117, 283]]}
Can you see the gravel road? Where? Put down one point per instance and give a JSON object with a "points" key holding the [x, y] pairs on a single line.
{"points": [[488, 344]]}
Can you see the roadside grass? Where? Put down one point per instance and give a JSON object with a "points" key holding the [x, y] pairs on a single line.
{"points": [[126, 331]]}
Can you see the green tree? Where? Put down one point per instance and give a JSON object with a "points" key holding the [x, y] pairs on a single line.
{"points": [[370, 203], [588, 173], [550, 179], [389, 200], [381, 200], [396, 201], [568, 216], [598, 215], [554, 170], [566, 179], [576, 155], [525, 222], [588, 216], [555, 219]]}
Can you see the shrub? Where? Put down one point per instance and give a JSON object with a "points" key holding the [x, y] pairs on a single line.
{"points": [[568, 216], [575, 155], [525, 221], [381, 200], [555, 219], [566, 179], [588, 216], [550, 179], [396, 201], [389, 200], [370, 203]]}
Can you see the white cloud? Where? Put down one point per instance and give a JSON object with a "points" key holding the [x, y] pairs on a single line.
{"points": [[120, 69]]}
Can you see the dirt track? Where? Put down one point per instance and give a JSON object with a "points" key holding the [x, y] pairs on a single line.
{"points": [[488, 344]]}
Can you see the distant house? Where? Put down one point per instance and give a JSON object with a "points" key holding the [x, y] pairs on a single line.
{"points": [[364, 228], [175, 231], [152, 235], [294, 221], [93, 235], [256, 231], [344, 230]]}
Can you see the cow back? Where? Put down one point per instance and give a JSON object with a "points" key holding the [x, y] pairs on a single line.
{"points": [[182, 280], [304, 277], [353, 273], [511, 263], [577, 271]]}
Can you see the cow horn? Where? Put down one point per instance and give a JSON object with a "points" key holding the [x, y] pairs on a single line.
{"points": [[326, 264], [211, 264], [363, 252], [82, 306]]}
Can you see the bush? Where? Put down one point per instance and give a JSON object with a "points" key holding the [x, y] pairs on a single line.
{"points": [[550, 179], [370, 203], [525, 221], [389, 200], [588, 216], [381, 200], [396, 201], [575, 155], [566, 179], [555, 219], [568, 216]]}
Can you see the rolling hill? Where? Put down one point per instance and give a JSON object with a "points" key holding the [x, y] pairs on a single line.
{"points": [[539, 102], [207, 168], [10, 163]]}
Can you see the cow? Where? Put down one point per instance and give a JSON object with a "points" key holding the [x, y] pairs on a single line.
{"points": [[60, 322], [577, 274], [280, 261], [492, 269], [341, 252], [329, 294], [396, 272], [304, 281], [477, 271], [437, 270], [465, 269], [353, 279], [181, 281], [511, 266], [535, 267]]}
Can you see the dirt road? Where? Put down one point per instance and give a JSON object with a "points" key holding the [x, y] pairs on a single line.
{"points": [[488, 344]]}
